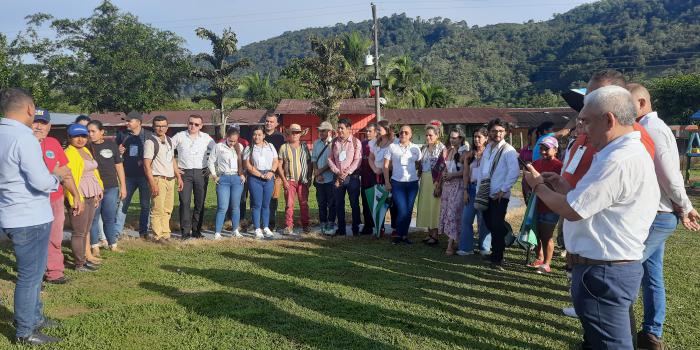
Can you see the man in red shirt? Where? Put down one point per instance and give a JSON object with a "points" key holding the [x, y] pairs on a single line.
{"points": [[55, 157]]}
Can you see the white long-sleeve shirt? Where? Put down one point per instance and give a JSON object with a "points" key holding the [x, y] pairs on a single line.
{"points": [[666, 164], [507, 170], [224, 159], [192, 153]]}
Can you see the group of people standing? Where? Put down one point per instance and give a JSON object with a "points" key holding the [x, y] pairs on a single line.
{"points": [[617, 194]]}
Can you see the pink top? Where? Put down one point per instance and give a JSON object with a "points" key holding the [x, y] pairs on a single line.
{"points": [[89, 186], [345, 156]]}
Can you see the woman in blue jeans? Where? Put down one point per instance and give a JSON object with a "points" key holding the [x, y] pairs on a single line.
{"points": [[226, 168], [111, 168], [401, 162], [260, 159], [471, 165]]}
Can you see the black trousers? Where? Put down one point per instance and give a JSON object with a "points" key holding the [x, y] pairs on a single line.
{"points": [[495, 219], [195, 182], [366, 213]]}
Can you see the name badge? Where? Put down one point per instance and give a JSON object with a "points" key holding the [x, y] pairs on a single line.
{"points": [[575, 160], [343, 155], [133, 150]]}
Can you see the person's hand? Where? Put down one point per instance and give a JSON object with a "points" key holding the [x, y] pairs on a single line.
{"points": [[122, 192], [285, 184], [242, 179], [180, 184], [99, 199], [532, 176], [154, 191], [691, 221], [466, 197], [388, 187], [499, 196], [215, 178], [268, 175], [556, 182], [78, 206], [122, 149], [319, 178], [180, 171]]}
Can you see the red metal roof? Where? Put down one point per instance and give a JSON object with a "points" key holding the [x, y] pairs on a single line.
{"points": [[348, 106], [247, 116], [519, 117]]}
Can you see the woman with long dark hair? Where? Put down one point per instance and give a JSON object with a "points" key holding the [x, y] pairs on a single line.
{"points": [[261, 162], [472, 161]]}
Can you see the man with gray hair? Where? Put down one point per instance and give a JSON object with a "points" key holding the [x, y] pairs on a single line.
{"points": [[607, 217], [674, 201]]}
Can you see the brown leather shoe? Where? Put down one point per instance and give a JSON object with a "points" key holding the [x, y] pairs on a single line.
{"points": [[648, 341]]}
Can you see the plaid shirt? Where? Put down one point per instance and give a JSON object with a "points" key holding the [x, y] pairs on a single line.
{"points": [[353, 155]]}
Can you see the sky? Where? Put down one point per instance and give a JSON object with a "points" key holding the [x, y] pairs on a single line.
{"points": [[262, 19]]}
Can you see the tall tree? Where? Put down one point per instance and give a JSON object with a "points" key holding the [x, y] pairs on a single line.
{"points": [[327, 74], [257, 91], [676, 97], [432, 96], [217, 70], [110, 61], [404, 76], [355, 48]]}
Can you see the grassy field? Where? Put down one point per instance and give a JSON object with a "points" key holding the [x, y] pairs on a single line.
{"points": [[327, 293]]}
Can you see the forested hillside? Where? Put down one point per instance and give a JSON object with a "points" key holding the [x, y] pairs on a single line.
{"points": [[507, 62]]}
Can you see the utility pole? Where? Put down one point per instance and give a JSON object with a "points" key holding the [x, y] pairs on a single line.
{"points": [[377, 82]]}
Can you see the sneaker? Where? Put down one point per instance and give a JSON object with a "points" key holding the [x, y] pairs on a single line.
{"points": [[259, 234], [648, 341], [544, 268], [485, 252], [288, 231], [464, 252], [103, 243], [569, 312], [535, 264], [236, 234], [115, 249], [268, 233], [217, 236], [497, 266], [60, 280], [86, 268]]}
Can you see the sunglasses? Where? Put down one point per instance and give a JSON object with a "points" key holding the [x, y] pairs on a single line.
{"points": [[404, 132], [194, 124]]}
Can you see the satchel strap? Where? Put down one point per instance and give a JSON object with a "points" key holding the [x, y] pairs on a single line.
{"points": [[496, 159]]}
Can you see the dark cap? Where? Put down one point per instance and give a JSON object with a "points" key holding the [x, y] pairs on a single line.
{"points": [[42, 115], [134, 115]]}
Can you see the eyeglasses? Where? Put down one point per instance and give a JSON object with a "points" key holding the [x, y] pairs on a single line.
{"points": [[194, 124], [404, 132], [498, 131]]}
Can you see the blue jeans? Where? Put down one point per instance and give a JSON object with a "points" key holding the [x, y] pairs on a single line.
{"points": [[31, 245], [108, 211], [132, 184], [351, 185], [326, 203], [602, 295], [653, 289], [228, 190], [404, 196], [260, 195], [466, 238]]}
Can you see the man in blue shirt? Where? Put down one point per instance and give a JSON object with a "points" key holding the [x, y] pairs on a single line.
{"points": [[25, 210]]}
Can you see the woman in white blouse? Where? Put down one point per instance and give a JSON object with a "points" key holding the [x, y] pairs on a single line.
{"points": [[378, 147], [226, 167], [401, 161], [261, 162]]}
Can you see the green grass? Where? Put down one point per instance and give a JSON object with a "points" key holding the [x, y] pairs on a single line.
{"points": [[336, 293]]}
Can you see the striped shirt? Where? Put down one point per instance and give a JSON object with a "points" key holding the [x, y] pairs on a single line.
{"points": [[296, 162]]}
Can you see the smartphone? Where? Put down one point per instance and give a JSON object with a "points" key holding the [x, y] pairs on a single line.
{"points": [[522, 163]]}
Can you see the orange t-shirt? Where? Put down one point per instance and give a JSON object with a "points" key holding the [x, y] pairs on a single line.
{"points": [[587, 157]]}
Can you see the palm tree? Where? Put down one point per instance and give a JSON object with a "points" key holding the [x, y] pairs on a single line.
{"points": [[429, 96], [355, 47], [404, 76], [217, 70], [257, 91]]}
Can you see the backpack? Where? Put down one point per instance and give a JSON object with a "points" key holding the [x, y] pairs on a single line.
{"points": [[156, 144]]}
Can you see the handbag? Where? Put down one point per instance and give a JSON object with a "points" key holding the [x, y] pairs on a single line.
{"points": [[481, 202]]}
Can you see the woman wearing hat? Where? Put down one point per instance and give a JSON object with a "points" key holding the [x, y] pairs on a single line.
{"points": [[546, 218], [87, 178], [261, 162], [428, 204], [226, 167], [295, 170]]}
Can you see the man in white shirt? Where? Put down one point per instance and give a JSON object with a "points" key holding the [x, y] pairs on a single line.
{"points": [[607, 217], [161, 171], [500, 164], [193, 148], [673, 199]]}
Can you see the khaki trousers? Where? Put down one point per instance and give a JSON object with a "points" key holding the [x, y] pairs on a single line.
{"points": [[162, 207]]}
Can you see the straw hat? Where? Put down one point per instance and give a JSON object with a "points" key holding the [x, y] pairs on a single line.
{"points": [[296, 128]]}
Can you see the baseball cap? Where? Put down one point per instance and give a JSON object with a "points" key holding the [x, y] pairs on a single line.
{"points": [[42, 115], [77, 130], [325, 126], [550, 142], [134, 115]]}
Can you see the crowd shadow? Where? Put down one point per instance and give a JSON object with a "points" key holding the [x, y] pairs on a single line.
{"points": [[467, 292]]}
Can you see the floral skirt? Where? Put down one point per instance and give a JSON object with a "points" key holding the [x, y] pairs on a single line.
{"points": [[451, 205]]}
